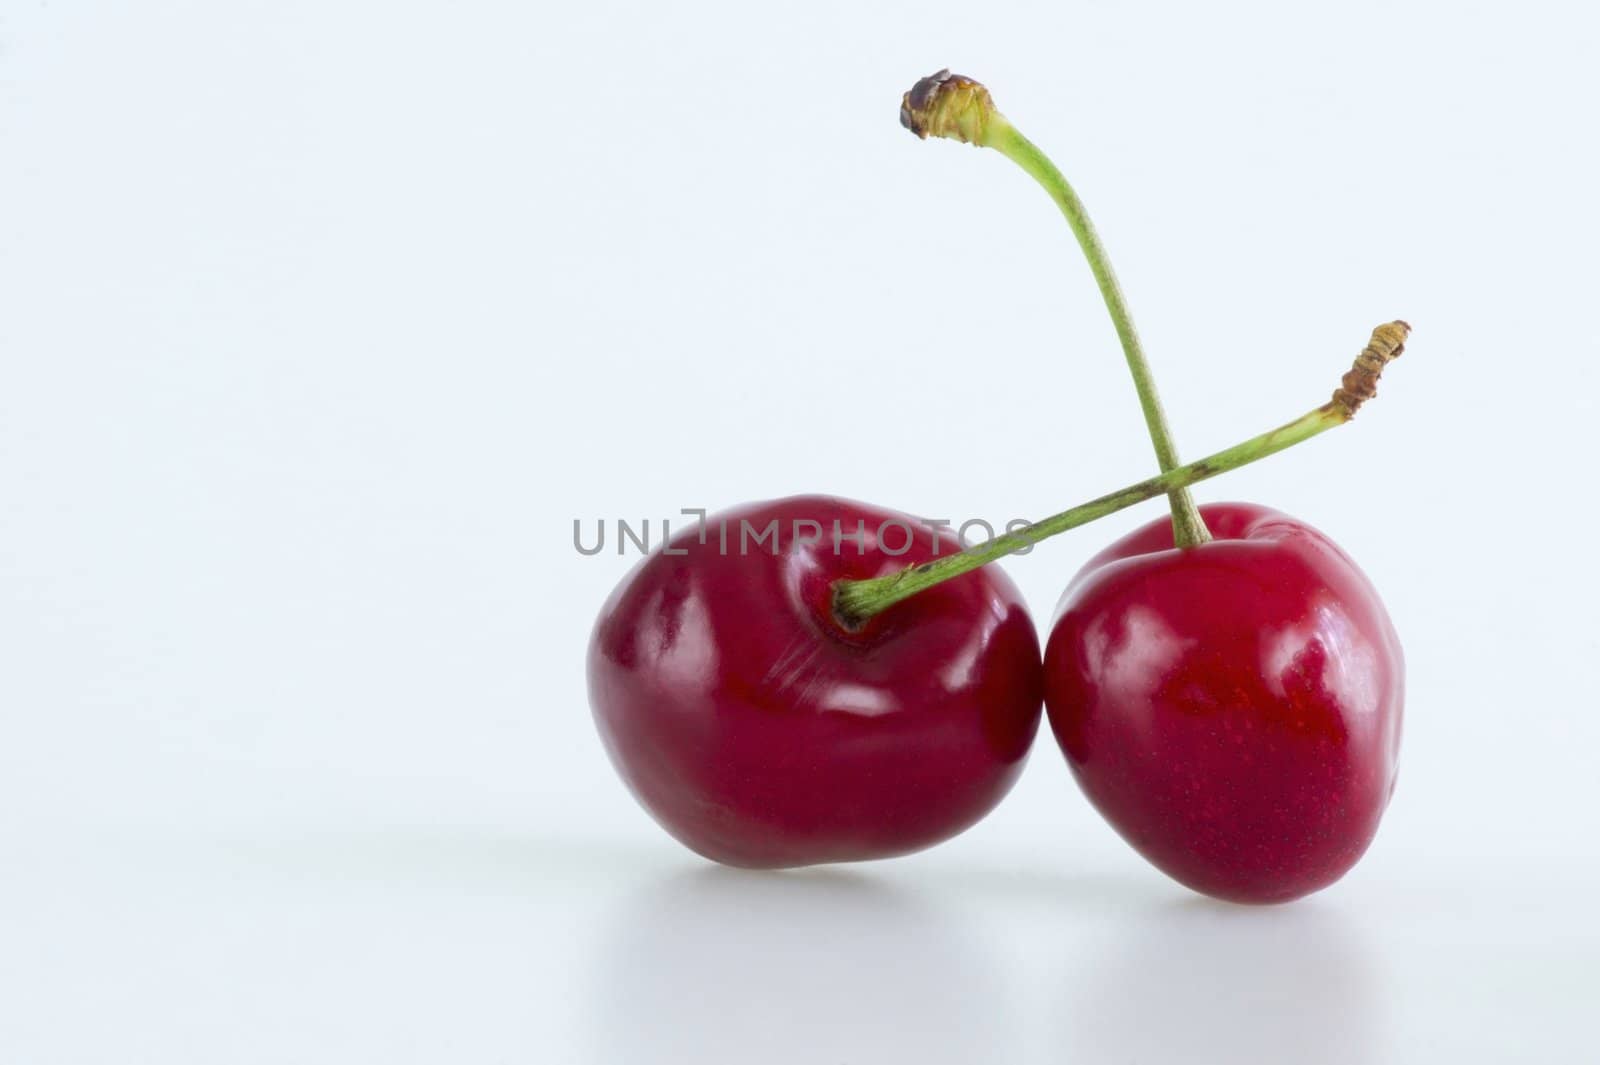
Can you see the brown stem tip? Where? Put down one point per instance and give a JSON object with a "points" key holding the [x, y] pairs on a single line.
{"points": [[947, 105], [1361, 383]]}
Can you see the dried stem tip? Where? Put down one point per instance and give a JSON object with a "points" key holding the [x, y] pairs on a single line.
{"points": [[1361, 383], [948, 105]]}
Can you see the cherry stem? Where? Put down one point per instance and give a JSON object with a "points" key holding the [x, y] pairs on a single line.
{"points": [[949, 105], [857, 600]]}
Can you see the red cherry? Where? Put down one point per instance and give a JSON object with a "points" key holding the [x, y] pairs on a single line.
{"points": [[1233, 708], [761, 732]]}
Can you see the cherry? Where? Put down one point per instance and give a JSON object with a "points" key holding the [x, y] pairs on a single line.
{"points": [[1226, 686], [1233, 708], [761, 730]]}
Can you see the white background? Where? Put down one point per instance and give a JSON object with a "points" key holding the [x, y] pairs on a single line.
{"points": [[321, 322]]}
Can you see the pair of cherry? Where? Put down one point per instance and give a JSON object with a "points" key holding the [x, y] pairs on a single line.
{"points": [[1225, 686]]}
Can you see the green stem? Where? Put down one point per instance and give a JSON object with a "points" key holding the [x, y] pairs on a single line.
{"points": [[858, 600], [1187, 526], [958, 108], [855, 601]]}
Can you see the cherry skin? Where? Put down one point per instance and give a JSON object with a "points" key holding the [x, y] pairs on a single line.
{"points": [[762, 732], [1232, 709]]}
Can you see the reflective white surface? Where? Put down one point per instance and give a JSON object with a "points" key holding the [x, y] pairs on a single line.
{"points": [[422, 945]]}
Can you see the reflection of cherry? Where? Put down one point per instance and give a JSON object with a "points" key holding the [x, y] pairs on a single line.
{"points": [[807, 967], [762, 732], [1232, 708], [1269, 978]]}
